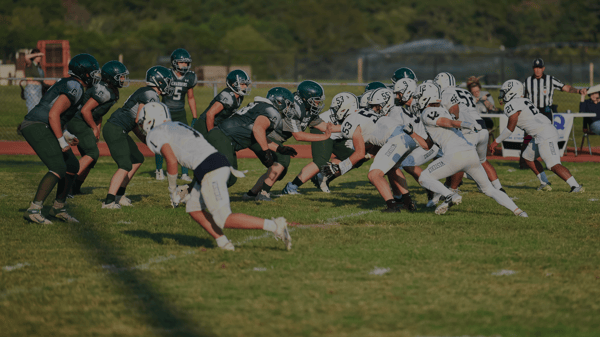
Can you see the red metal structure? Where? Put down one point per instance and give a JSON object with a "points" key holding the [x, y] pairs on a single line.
{"points": [[57, 56]]}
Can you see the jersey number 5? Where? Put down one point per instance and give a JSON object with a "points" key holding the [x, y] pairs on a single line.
{"points": [[177, 94]]}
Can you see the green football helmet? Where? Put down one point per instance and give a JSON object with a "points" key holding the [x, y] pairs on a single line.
{"points": [[235, 79], [115, 74], [374, 85], [181, 55], [282, 99], [86, 68], [313, 96], [404, 72], [160, 77]]}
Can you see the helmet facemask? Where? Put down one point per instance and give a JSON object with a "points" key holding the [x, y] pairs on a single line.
{"points": [[237, 86], [182, 69]]}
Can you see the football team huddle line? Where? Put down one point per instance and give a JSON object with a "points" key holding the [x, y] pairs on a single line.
{"points": [[406, 125]]}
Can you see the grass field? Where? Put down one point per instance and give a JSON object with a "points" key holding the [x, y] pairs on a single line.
{"points": [[352, 271]]}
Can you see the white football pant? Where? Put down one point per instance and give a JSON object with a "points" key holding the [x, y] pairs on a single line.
{"points": [[212, 195]]}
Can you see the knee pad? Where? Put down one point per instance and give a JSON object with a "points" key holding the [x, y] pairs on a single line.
{"points": [[220, 216]]}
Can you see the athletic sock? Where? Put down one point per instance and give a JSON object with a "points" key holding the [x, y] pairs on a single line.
{"points": [[184, 170], [46, 185], [266, 187], [407, 200], [398, 198], [77, 186], [121, 191], [110, 198], [222, 241], [497, 184], [64, 186], [158, 159], [572, 182], [270, 225], [297, 182], [542, 177]]}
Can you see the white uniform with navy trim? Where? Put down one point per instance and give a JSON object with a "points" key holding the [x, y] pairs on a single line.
{"points": [[397, 145], [189, 146], [327, 118], [364, 118], [191, 149], [418, 156], [459, 155], [545, 136], [467, 112]]}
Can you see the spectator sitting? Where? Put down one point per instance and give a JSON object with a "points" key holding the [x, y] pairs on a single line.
{"points": [[484, 102], [33, 89], [591, 105]]}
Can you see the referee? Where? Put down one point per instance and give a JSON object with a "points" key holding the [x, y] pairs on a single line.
{"points": [[539, 88]]}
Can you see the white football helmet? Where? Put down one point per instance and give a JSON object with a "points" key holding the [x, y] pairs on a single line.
{"points": [[152, 115], [511, 89], [406, 87], [445, 80], [428, 94], [382, 97], [364, 100], [342, 105]]}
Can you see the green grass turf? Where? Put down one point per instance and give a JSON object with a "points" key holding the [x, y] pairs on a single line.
{"points": [[14, 108], [151, 270]]}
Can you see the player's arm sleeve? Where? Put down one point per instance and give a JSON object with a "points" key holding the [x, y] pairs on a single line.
{"points": [[73, 91], [226, 99], [316, 122], [291, 125], [348, 128], [430, 117], [556, 83], [149, 96], [449, 100], [100, 94], [155, 142], [510, 109], [194, 81]]}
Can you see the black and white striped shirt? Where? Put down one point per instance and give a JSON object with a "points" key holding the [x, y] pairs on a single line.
{"points": [[540, 91]]}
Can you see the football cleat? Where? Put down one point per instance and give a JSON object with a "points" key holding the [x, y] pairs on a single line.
{"points": [[112, 205], [577, 189], [61, 214], [247, 196], [395, 209], [450, 201], [34, 214], [185, 177], [183, 193], [263, 196], [412, 207], [545, 187], [159, 175], [521, 213], [321, 182], [123, 200], [290, 189], [434, 200], [502, 190], [228, 246], [282, 233]]}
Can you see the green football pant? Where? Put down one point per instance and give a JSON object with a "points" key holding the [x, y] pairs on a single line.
{"points": [[41, 138], [122, 148], [87, 141], [223, 144]]}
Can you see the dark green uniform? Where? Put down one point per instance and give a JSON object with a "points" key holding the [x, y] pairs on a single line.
{"points": [[106, 98], [176, 101], [235, 133], [321, 151], [36, 127], [121, 122], [230, 105]]}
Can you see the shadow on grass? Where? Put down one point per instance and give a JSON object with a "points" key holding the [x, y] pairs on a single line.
{"points": [[184, 240], [135, 285]]}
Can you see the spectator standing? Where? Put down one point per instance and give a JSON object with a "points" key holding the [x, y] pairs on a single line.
{"points": [[33, 68], [591, 124]]}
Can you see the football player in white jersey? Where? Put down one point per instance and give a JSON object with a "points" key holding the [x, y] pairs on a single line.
{"points": [[458, 153], [342, 105], [523, 114], [208, 202], [461, 104], [397, 138]]}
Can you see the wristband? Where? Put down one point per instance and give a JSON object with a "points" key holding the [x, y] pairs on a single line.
{"points": [[172, 179], [63, 142], [345, 166], [505, 134]]}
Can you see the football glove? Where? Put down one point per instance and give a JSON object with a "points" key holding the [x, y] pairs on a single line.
{"points": [[268, 159], [287, 150], [331, 170], [408, 129]]}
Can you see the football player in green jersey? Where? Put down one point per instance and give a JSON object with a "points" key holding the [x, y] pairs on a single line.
{"points": [[309, 100], [184, 81], [226, 102], [87, 123], [116, 134], [249, 127], [43, 129]]}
